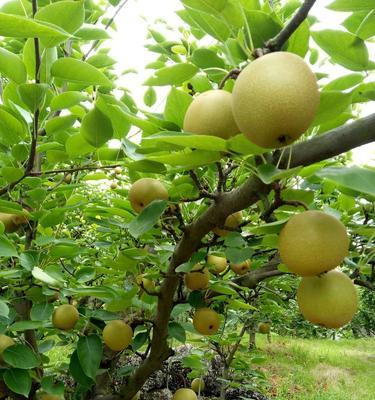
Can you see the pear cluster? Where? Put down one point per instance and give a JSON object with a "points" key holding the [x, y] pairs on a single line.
{"points": [[274, 101], [312, 244]]}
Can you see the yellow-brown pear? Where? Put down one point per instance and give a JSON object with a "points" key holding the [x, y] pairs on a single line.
{"points": [[329, 300], [206, 321], [211, 114], [12, 222], [241, 268], [275, 99], [264, 328], [144, 191], [313, 242], [216, 264], [198, 278], [117, 335], [233, 221], [65, 317], [184, 394]]}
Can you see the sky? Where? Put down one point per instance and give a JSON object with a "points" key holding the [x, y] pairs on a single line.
{"points": [[127, 47]]}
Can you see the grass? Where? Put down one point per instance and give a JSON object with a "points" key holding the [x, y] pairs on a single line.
{"points": [[319, 369]]}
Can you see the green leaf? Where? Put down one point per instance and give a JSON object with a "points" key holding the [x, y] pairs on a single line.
{"points": [[149, 97], [240, 305], [188, 158], [44, 277], [262, 27], [12, 67], [60, 123], [209, 24], [240, 144], [77, 372], [223, 288], [344, 82], [174, 75], [355, 178], [67, 100], [49, 385], [268, 173], [176, 106], [139, 340], [21, 326], [7, 248], [12, 174], [20, 356], [176, 331], [22, 27], [344, 48], [96, 128], [9, 123], [68, 15], [92, 32], [332, 103], [76, 145], [18, 381], [205, 58], [4, 309], [298, 43], [33, 94], [361, 24], [203, 142], [101, 60], [147, 218], [73, 70], [89, 351], [41, 311], [351, 5]]}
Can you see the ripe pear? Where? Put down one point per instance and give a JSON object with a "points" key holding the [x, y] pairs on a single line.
{"points": [[117, 335], [275, 99], [197, 280], [241, 268], [144, 191], [211, 114], [5, 342], [313, 242], [216, 264], [264, 328], [232, 221], [65, 317], [329, 300], [184, 394], [12, 222], [198, 385], [206, 321]]}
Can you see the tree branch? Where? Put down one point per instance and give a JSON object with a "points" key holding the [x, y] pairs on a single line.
{"points": [[319, 148], [277, 42]]}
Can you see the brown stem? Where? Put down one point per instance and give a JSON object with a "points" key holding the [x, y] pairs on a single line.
{"points": [[276, 43]]}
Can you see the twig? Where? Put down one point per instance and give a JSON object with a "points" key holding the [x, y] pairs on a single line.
{"points": [[75, 169], [233, 74], [109, 23], [203, 192], [220, 181], [277, 42]]}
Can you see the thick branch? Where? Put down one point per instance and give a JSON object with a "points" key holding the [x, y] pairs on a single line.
{"points": [[329, 145], [276, 43]]}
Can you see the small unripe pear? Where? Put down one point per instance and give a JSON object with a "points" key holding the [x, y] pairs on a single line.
{"points": [[184, 394], [5, 342], [241, 268], [198, 385], [114, 185], [216, 264]]}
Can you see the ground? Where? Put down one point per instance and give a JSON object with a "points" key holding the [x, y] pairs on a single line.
{"points": [[319, 369]]}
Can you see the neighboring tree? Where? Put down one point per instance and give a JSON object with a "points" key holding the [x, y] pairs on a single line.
{"points": [[93, 273]]}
